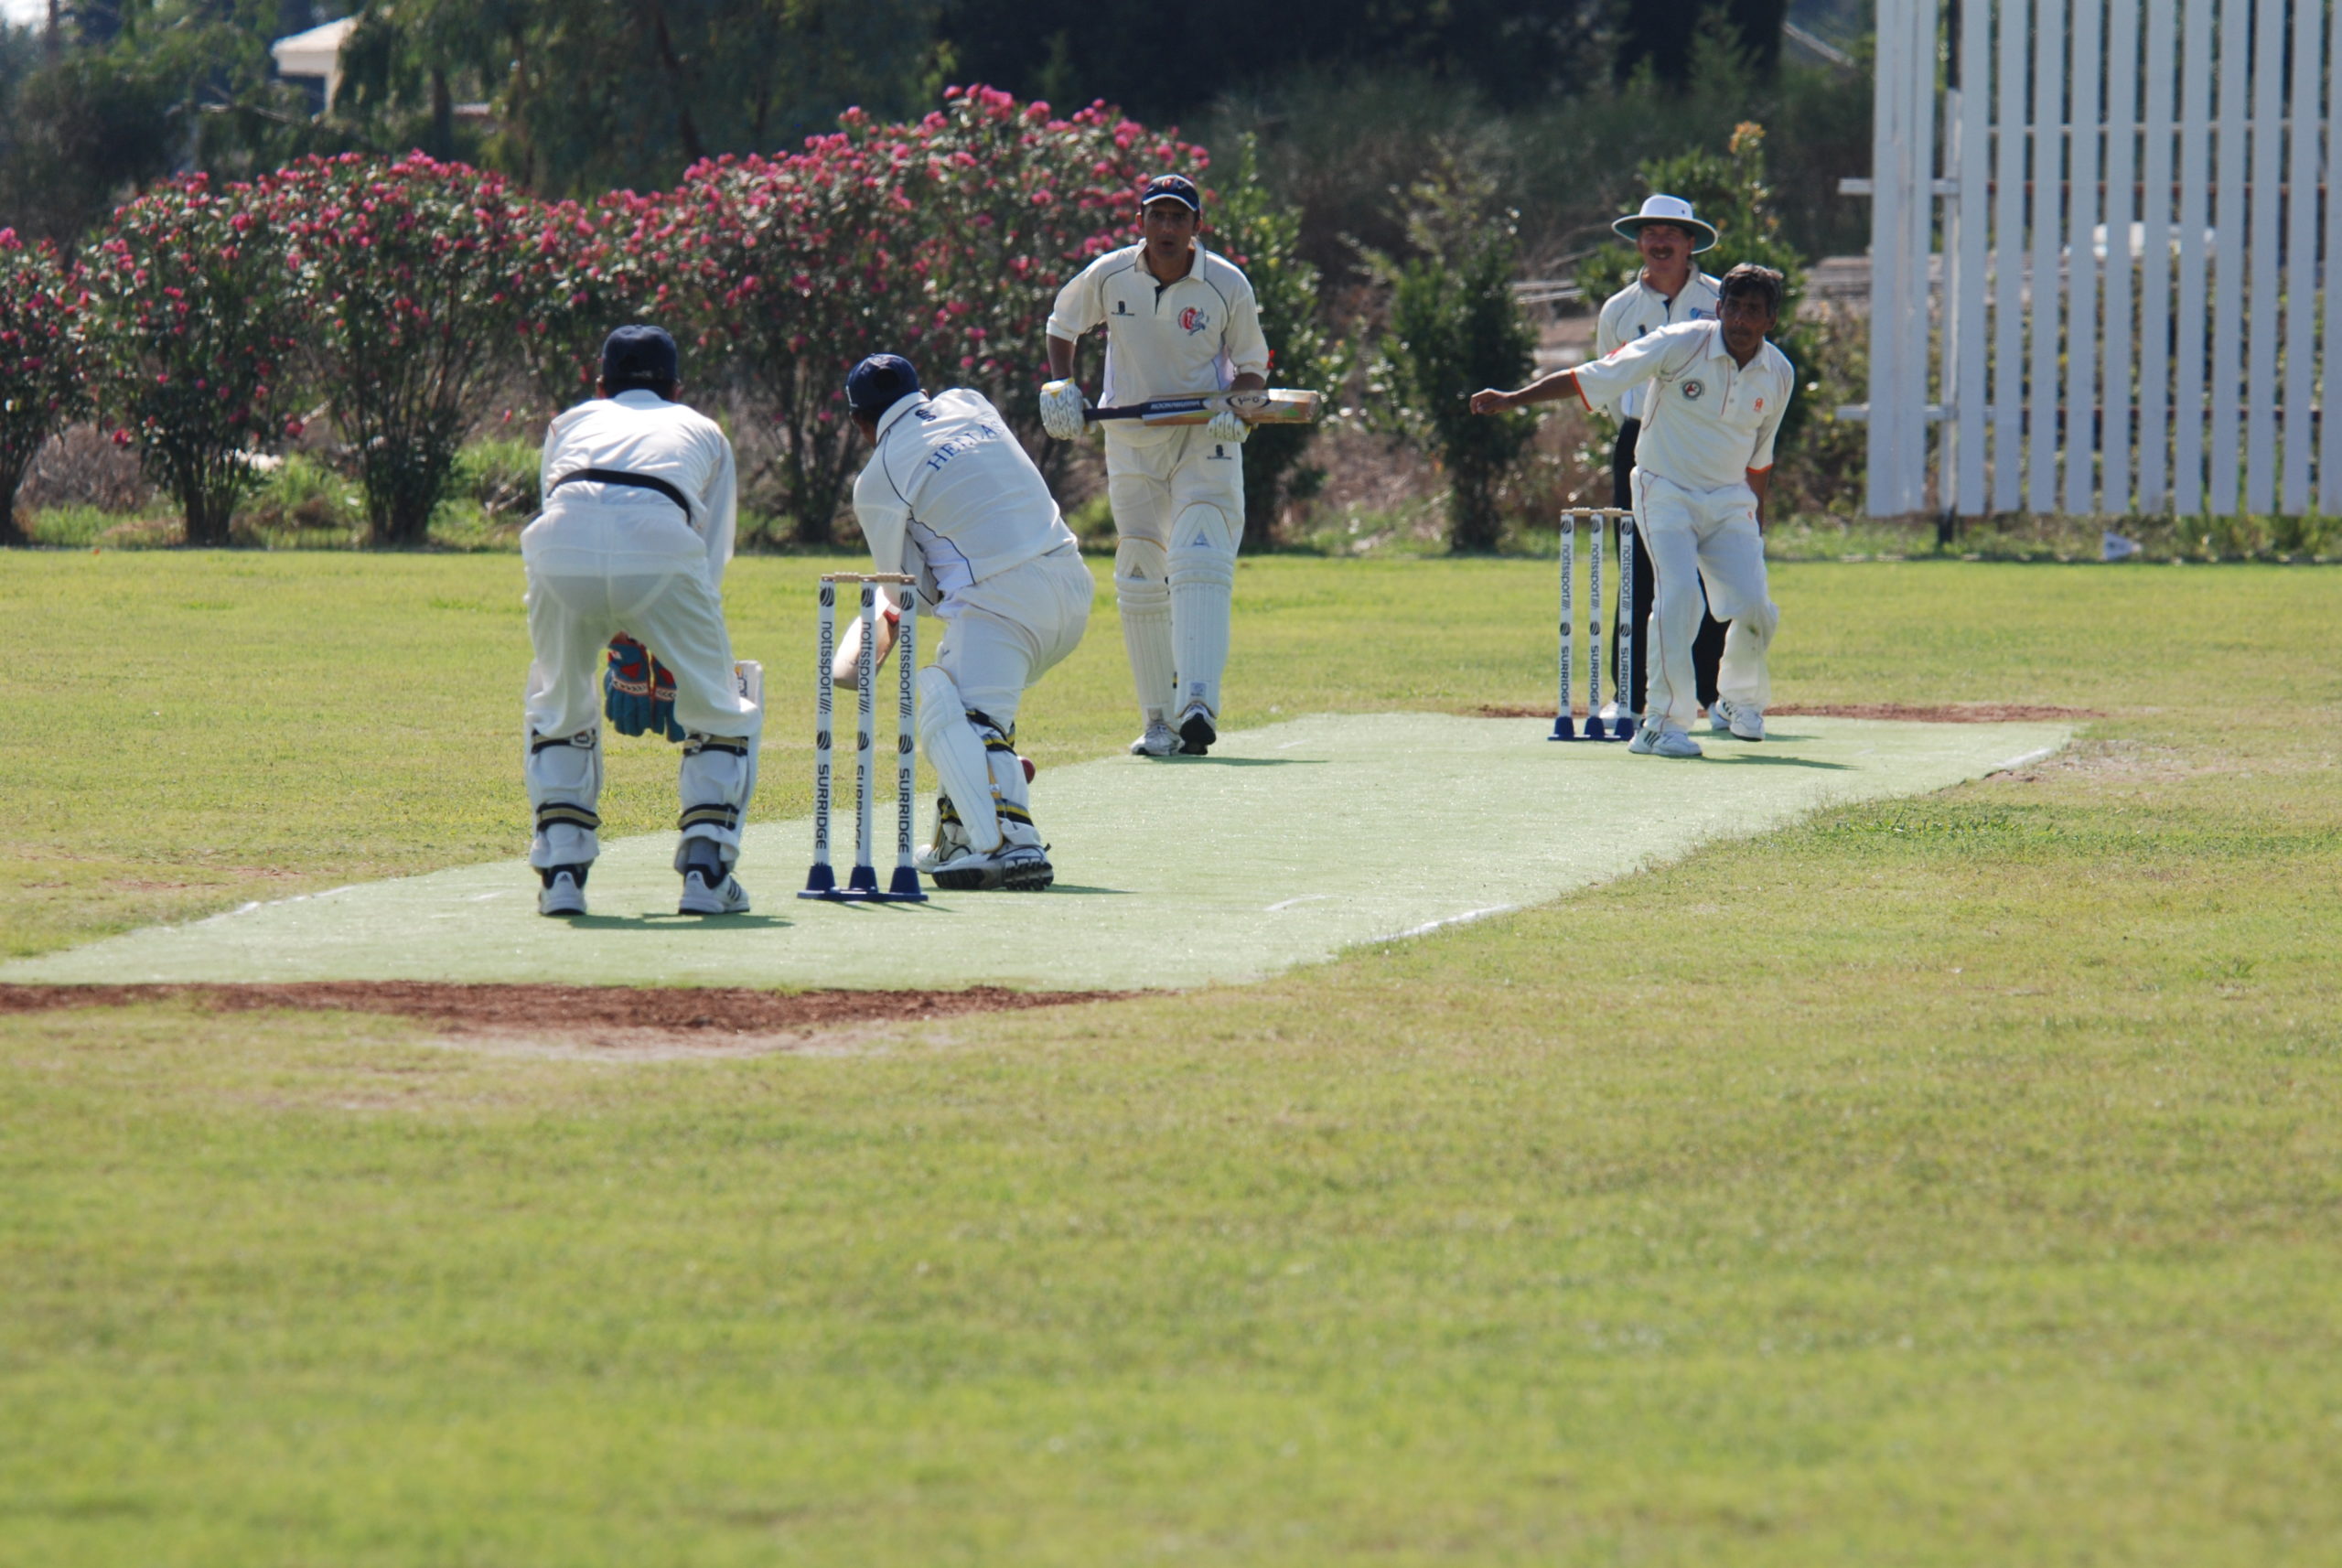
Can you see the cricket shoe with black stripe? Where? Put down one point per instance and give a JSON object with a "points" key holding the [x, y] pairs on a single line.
{"points": [[563, 892], [709, 891], [1745, 721], [1655, 739], [1011, 868]]}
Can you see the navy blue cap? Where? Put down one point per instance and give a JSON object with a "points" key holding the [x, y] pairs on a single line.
{"points": [[878, 383], [1176, 188], [639, 355]]}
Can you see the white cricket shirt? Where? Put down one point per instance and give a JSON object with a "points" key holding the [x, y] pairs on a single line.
{"points": [[948, 487], [1708, 420], [1172, 340], [641, 433], [1638, 308]]}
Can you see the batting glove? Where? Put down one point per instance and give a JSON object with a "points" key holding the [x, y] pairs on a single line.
{"points": [[638, 691], [1062, 406], [1226, 427]]}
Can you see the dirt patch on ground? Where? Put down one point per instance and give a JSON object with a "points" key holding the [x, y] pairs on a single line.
{"points": [[1936, 713], [584, 1019]]}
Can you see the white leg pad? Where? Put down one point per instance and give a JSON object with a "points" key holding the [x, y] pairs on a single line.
{"points": [[1203, 581], [956, 751], [718, 782], [564, 779], [1142, 594]]}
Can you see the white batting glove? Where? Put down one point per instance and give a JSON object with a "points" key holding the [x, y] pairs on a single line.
{"points": [[1226, 427], [1062, 406]]}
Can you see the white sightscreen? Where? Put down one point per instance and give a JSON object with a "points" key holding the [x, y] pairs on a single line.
{"points": [[2124, 201]]}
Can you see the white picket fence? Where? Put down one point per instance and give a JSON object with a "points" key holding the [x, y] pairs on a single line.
{"points": [[2127, 197]]}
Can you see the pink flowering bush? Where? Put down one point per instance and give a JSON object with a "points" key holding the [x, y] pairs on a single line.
{"points": [[40, 359], [1020, 199], [792, 269], [587, 268], [190, 339], [944, 241], [410, 278], [413, 285]]}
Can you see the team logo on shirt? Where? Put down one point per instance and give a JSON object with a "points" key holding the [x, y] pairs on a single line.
{"points": [[1695, 390], [1192, 321], [1121, 308], [1696, 314]]}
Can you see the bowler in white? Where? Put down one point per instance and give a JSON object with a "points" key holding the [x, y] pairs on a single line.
{"points": [[1717, 392], [1180, 320], [950, 498]]}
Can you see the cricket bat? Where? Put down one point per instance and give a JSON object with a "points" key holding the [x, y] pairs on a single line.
{"points": [[1286, 407]]}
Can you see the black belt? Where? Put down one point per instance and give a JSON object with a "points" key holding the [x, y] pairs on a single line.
{"points": [[621, 476]]}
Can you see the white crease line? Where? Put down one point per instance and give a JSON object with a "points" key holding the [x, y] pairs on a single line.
{"points": [[1430, 926], [1304, 898], [2013, 763]]}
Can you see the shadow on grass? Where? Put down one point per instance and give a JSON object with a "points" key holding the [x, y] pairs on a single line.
{"points": [[668, 922], [1747, 760]]}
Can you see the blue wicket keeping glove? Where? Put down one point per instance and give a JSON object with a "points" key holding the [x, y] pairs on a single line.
{"points": [[638, 691]]}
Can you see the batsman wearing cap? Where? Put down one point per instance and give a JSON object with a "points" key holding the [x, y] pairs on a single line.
{"points": [[629, 554], [950, 497], [1670, 289], [1180, 320]]}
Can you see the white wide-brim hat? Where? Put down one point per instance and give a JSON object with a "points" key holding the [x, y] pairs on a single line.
{"points": [[1669, 210]]}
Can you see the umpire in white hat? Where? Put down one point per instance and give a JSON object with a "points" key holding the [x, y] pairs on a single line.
{"points": [[1670, 288]]}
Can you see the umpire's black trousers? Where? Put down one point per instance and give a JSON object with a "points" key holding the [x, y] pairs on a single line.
{"points": [[1707, 648]]}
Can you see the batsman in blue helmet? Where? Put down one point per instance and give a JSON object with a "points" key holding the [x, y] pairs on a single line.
{"points": [[950, 498]]}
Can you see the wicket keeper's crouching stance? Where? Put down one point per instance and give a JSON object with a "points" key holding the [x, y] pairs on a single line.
{"points": [[1180, 320], [1702, 467], [638, 524], [949, 496]]}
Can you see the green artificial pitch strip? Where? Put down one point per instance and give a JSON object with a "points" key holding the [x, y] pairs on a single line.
{"points": [[1282, 847]]}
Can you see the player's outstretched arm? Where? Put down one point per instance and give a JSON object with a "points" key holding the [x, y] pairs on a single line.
{"points": [[1545, 389]]}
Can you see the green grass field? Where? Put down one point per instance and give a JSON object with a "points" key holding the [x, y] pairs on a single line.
{"points": [[1951, 1180]]}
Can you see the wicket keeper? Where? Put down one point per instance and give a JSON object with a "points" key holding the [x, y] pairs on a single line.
{"points": [[1717, 392], [1180, 320], [640, 506]]}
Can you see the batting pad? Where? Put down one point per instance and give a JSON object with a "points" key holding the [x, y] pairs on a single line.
{"points": [[1299, 840]]}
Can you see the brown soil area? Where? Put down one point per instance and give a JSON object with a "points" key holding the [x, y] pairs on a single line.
{"points": [[710, 1014], [1938, 714]]}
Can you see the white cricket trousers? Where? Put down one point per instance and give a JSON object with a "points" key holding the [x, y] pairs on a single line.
{"points": [[1179, 503], [595, 569], [1003, 634], [1695, 536]]}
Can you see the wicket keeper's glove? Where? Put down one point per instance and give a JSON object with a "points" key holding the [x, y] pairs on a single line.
{"points": [[638, 691]]}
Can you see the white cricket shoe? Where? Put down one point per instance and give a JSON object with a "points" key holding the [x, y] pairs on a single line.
{"points": [[1196, 731], [1718, 720], [1159, 740], [1655, 739], [1012, 868], [563, 892], [1745, 720], [727, 898]]}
